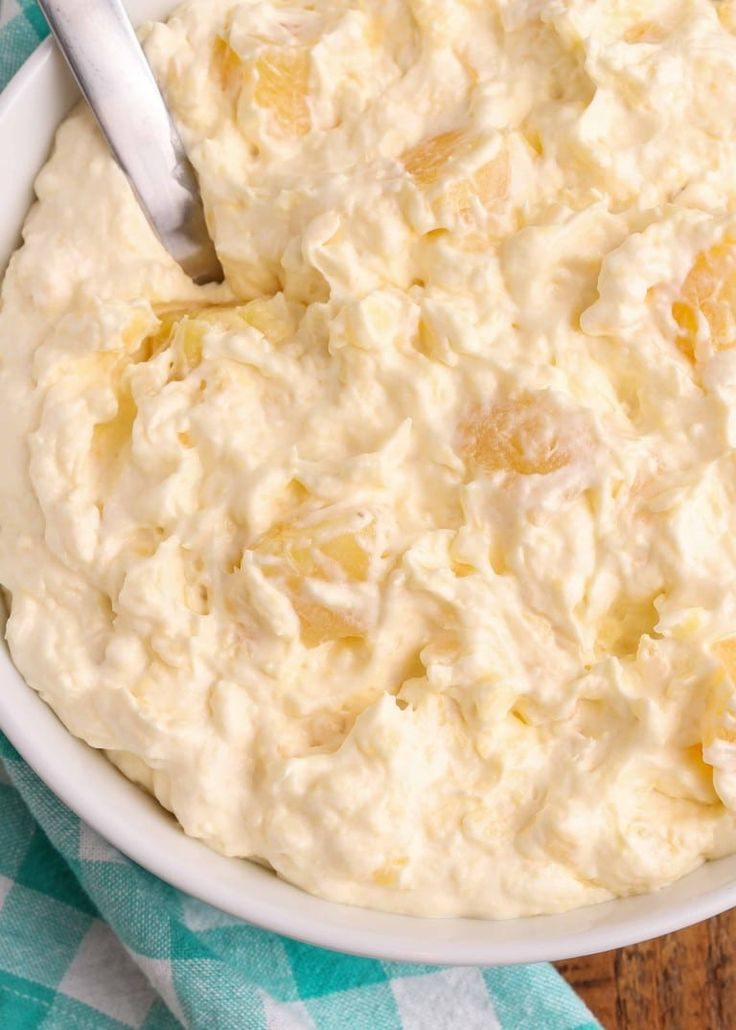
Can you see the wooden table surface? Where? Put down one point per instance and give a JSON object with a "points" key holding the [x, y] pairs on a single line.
{"points": [[685, 981]]}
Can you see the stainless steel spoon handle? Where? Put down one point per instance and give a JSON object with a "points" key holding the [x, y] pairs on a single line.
{"points": [[107, 61]]}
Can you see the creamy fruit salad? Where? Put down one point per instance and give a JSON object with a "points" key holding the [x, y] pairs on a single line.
{"points": [[405, 560]]}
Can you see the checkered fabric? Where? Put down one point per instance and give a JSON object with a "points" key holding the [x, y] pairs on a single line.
{"points": [[90, 940], [22, 27]]}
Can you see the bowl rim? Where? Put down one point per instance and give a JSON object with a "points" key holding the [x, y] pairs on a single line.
{"points": [[293, 913]]}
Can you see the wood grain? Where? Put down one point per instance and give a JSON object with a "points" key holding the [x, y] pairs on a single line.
{"points": [[685, 981]]}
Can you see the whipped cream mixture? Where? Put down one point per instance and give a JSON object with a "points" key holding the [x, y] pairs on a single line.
{"points": [[405, 560]]}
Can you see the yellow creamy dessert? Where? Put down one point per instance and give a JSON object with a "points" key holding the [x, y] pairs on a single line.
{"points": [[405, 561]]}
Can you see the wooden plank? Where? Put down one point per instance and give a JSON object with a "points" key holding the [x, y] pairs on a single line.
{"points": [[685, 981], [722, 970], [684, 970], [638, 968]]}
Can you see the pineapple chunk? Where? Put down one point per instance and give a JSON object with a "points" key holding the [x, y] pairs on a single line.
{"points": [[431, 160], [321, 549], [320, 624], [183, 330], [349, 554], [326, 551], [228, 66], [281, 82], [645, 32], [426, 162], [272, 317], [187, 347], [180, 332], [489, 184], [726, 652], [283, 86], [521, 436], [709, 293], [388, 874], [727, 15], [110, 437]]}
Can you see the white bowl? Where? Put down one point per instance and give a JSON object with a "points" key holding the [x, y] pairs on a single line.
{"points": [[30, 110]]}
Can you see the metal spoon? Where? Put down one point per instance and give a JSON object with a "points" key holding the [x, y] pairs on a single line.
{"points": [[107, 61]]}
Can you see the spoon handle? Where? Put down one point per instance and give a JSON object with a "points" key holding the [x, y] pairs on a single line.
{"points": [[107, 61]]}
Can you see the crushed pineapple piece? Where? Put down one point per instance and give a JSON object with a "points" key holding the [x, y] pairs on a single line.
{"points": [[281, 82], [348, 553], [183, 330], [324, 551], [429, 160], [687, 320], [708, 291], [321, 548], [522, 436], [227, 64], [110, 437], [320, 624], [387, 875], [426, 161], [727, 15], [283, 86], [187, 343], [489, 184], [726, 652], [492, 180], [645, 32], [272, 317]]}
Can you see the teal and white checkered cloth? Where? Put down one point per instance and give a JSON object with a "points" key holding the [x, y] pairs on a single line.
{"points": [[90, 941], [22, 27]]}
